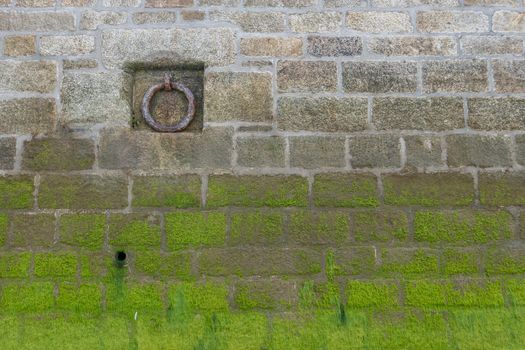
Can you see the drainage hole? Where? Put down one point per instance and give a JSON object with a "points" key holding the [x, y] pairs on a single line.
{"points": [[120, 258]]}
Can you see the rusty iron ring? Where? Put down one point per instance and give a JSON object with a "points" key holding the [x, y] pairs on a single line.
{"points": [[168, 85]]}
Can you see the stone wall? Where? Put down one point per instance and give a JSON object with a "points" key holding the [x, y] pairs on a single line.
{"points": [[358, 180]]}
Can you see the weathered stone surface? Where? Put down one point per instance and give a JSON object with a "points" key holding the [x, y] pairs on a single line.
{"points": [[267, 151], [502, 188], [33, 230], [211, 46], [80, 63], [229, 3], [96, 97], [267, 294], [315, 22], [312, 152], [37, 21], [413, 46], [7, 153], [279, 3], [58, 154], [490, 3], [252, 21], [182, 191], [345, 3], [33, 76], [121, 3], [354, 260], [154, 17], [66, 45], [509, 76], [452, 21], [83, 192], [93, 19], [379, 225], [491, 45], [121, 148], [318, 227], [168, 3], [378, 77], [136, 231], [20, 45], [508, 21], [477, 150], [375, 151], [78, 3], [520, 152], [322, 114], [16, 192], [27, 115], [411, 3], [35, 3], [302, 76], [190, 15], [345, 190], [379, 22], [506, 113], [407, 113], [334, 46], [271, 46], [423, 151], [245, 96], [455, 76]]}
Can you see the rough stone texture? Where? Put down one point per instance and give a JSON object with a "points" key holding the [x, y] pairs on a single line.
{"points": [[413, 46], [496, 113], [96, 97], [164, 46], [7, 153], [345, 190], [37, 21], [80, 63], [27, 115], [378, 151], [31, 76], [492, 45], [154, 17], [322, 114], [238, 96], [271, 46], [315, 22], [168, 3], [334, 46], [58, 154], [33, 230], [502, 188], [509, 76], [379, 22], [423, 151], [452, 22], [66, 45], [303, 76], [122, 149], [455, 76], [508, 21], [378, 77], [252, 21], [279, 3], [193, 15], [157, 191], [261, 151], [402, 113], [520, 149], [312, 152], [479, 151], [91, 20], [20, 45]]}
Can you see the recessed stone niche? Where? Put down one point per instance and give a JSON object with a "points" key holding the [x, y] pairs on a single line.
{"points": [[168, 107]]}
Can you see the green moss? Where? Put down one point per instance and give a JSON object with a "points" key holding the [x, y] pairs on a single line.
{"points": [[94, 265], [33, 297], [83, 230], [257, 191], [32, 230], [185, 229], [265, 294], [256, 227], [16, 192], [382, 225], [409, 262], [139, 231], [310, 227], [15, 265], [502, 188], [199, 296], [85, 298], [55, 265], [3, 228], [372, 294], [505, 260], [427, 293], [516, 291], [153, 264], [134, 297], [345, 190], [319, 295], [460, 261], [58, 154], [167, 191], [10, 327]]}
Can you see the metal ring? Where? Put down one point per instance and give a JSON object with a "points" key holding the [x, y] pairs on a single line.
{"points": [[168, 84]]}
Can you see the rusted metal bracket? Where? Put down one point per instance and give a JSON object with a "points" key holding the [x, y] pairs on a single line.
{"points": [[168, 85]]}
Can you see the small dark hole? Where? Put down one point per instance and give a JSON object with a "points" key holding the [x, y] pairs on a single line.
{"points": [[120, 258]]}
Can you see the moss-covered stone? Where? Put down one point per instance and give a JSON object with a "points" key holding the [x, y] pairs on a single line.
{"points": [[3, 228], [379, 225], [32, 230], [129, 298], [354, 261], [257, 191], [83, 192], [319, 295], [265, 294], [195, 229], [372, 294], [95, 265], [198, 296], [155, 264], [345, 190], [502, 188], [409, 262], [447, 189], [15, 265], [32, 297], [462, 226], [55, 264], [84, 298], [516, 291], [460, 261], [58, 154], [16, 192], [137, 231], [318, 227], [83, 230], [167, 191], [505, 260], [256, 227]]}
